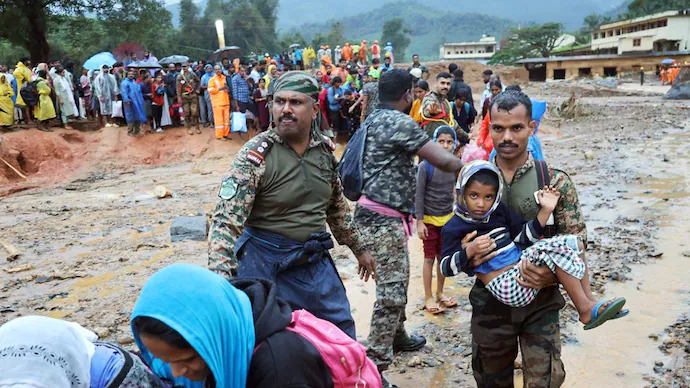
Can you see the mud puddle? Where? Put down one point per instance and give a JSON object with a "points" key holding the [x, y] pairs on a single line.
{"points": [[624, 352]]}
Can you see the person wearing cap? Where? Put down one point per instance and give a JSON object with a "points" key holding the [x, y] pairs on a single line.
{"points": [[389, 51], [281, 191], [363, 53], [347, 52], [375, 51], [106, 90], [187, 87], [416, 75]]}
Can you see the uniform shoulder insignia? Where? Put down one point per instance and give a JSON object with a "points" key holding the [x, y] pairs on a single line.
{"points": [[327, 140], [258, 149]]}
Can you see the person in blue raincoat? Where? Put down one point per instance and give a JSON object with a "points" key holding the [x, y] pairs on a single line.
{"points": [[133, 102]]}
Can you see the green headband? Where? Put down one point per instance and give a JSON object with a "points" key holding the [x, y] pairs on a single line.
{"points": [[297, 81]]}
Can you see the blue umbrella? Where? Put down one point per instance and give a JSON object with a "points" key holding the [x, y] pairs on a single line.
{"points": [[667, 61], [98, 60]]}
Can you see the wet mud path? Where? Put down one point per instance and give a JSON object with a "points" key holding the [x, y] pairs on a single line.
{"points": [[92, 243]]}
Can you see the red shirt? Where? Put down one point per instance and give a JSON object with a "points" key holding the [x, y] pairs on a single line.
{"points": [[158, 99]]}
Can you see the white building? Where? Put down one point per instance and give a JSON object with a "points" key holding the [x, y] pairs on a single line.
{"points": [[482, 50], [660, 32]]}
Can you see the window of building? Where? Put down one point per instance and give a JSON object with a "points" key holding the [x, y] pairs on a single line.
{"points": [[619, 31], [610, 72], [448, 52], [489, 49], [457, 52], [637, 42], [609, 33], [595, 35], [558, 73]]}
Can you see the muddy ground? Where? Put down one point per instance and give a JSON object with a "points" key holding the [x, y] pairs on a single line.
{"points": [[90, 233]]}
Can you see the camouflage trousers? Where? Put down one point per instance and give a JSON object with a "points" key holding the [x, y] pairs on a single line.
{"points": [[388, 245], [190, 106], [497, 329]]}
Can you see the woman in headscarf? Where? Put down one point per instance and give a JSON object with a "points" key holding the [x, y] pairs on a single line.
{"points": [[65, 96], [6, 104], [42, 352], [270, 75], [261, 100], [45, 110], [237, 340]]}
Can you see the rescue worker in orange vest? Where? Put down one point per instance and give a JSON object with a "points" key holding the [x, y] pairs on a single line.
{"points": [[363, 53], [347, 52], [220, 100], [376, 51]]}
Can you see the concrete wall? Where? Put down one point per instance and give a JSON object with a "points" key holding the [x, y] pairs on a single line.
{"points": [[678, 28], [478, 51], [622, 65]]}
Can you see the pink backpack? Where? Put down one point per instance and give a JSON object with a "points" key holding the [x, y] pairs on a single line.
{"points": [[346, 358]]}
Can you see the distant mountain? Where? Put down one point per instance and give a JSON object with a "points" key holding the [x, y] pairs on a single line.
{"points": [[430, 27], [293, 13]]}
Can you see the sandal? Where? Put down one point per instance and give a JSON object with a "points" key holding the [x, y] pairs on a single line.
{"points": [[609, 312], [448, 302], [433, 310]]}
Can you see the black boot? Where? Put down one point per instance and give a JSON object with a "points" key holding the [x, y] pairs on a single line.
{"points": [[406, 343]]}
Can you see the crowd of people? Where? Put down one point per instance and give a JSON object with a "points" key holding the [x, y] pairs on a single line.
{"points": [[271, 310]]}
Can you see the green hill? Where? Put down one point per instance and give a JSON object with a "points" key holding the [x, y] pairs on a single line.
{"points": [[430, 27]]}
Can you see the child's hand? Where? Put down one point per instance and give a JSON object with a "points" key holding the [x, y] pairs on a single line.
{"points": [[548, 198], [422, 231]]}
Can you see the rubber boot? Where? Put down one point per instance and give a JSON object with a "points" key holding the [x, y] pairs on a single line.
{"points": [[406, 343]]}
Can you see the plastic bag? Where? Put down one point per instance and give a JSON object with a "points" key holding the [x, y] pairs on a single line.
{"points": [[239, 122], [473, 152], [117, 109]]}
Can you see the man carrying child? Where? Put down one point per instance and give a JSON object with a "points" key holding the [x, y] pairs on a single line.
{"points": [[496, 327]]}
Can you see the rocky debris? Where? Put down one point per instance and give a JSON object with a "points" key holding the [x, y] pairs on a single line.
{"points": [[571, 109], [686, 253], [162, 192], [12, 252], [125, 339], [681, 86], [101, 332], [21, 268], [189, 228]]}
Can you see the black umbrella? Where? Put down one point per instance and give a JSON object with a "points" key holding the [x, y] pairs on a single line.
{"points": [[174, 59], [230, 52]]}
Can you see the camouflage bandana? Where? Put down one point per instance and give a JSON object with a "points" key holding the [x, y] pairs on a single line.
{"points": [[297, 81]]}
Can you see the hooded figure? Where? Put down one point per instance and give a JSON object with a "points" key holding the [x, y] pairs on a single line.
{"points": [[106, 91], [6, 104], [337, 53], [347, 52], [239, 334], [376, 50]]}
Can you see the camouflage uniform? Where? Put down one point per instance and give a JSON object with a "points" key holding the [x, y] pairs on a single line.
{"points": [[371, 90], [187, 84], [496, 328], [393, 139], [433, 106], [272, 216]]}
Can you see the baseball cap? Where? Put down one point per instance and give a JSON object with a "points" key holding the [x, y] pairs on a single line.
{"points": [[416, 72]]}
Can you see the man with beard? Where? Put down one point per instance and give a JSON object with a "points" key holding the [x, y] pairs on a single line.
{"points": [[275, 201], [436, 110], [383, 213], [496, 328]]}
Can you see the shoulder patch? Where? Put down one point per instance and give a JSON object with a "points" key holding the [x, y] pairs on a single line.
{"points": [[257, 151], [327, 140]]}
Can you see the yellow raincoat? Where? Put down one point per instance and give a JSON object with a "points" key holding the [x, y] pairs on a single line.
{"points": [[308, 56], [23, 75], [6, 104], [45, 110]]}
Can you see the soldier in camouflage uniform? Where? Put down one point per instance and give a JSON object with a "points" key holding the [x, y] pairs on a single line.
{"points": [[436, 110], [187, 85], [496, 327], [281, 190], [383, 214]]}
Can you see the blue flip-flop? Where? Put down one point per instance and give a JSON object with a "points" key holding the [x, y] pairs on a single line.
{"points": [[621, 314], [609, 312]]}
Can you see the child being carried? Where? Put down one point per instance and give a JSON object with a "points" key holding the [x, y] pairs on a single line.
{"points": [[478, 207]]}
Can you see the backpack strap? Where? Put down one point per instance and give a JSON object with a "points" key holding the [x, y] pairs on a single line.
{"points": [[467, 109], [429, 171], [124, 371], [543, 179]]}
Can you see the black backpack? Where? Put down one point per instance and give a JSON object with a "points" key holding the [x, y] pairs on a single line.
{"points": [[29, 93]]}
